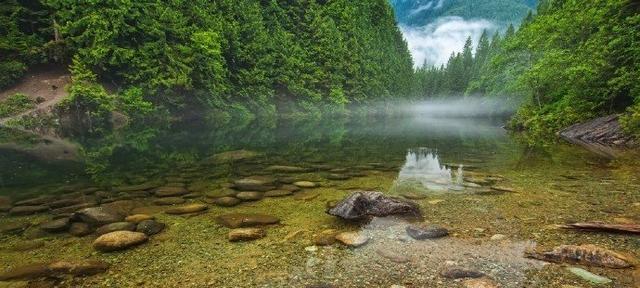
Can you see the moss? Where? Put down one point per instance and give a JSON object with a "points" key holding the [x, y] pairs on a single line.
{"points": [[15, 105]]}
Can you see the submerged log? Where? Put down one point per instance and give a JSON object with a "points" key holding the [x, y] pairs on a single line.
{"points": [[589, 255], [604, 227]]}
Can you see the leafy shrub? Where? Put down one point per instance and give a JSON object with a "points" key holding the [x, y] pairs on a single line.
{"points": [[631, 120], [10, 72], [15, 104]]}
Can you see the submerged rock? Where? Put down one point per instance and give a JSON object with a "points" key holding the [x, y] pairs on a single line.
{"points": [[119, 240], [246, 234], [137, 218], [589, 255], [226, 201], [80, 229], [232, 156], [289, 187], [168, 201], [278, 193], [118, 226], [138, 187], [187, 209], [5, 204], [240, 220], [254, 183], [426, 231], [55, 269], [169, 191], [13, 227], [36, 201], [286, 169], [250, 196], [306, 184], [97, 216], [56, 226], [325, 238], [220, 193], [27, 210], [150, 227], [365, 204], [352, 239], [453, 272]]}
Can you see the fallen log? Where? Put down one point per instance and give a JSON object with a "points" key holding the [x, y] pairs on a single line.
{"points": [[604, 227]]}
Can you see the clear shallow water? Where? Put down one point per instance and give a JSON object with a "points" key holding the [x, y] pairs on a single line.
{"points": [[448, 166]]}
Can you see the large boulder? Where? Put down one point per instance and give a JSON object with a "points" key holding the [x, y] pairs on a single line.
{"points": [[364, 204]]}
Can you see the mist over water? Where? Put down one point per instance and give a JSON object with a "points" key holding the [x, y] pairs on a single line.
{"points": [[458, 107]]}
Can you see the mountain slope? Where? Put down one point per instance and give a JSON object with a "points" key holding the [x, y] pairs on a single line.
{"points": [[421, 12]]}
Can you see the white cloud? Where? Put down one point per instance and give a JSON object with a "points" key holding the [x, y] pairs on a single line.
{"points": [[435, 42]]}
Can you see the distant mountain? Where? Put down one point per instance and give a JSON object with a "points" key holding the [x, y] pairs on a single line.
{"points": [[422, 12]]}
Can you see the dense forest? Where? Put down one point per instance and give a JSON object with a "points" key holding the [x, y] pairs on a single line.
{"points": [[227, 55], [570, 62], [502, 12]]}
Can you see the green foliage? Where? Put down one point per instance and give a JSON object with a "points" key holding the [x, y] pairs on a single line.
{"points": [[631, 120], [15, 104], [10, 72]]}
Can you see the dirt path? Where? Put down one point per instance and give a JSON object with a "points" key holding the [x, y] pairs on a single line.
{"points": [[44, 83]]}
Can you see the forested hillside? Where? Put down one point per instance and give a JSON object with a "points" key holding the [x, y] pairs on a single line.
{"points": [[571, 62], [223, 54], [422, 12]]}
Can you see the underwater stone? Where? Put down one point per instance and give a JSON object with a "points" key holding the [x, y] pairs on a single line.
{"points": [[335, 176], [250, 195], [137, 218], [36, 201], [589, 255], [119, 240], [424, 231], [286, 169], [187, 209], [352, 239], [167, 201], [27, 210], [278, 193], [365, 204], [80, 229], [171, 191], [97, 216], [239, 220], [306, 184], [226, 201], [5, 204], [452, 272], [150, 227], [118, 226], [56, 226], [480, 283], [254, 183], [246, 234]]}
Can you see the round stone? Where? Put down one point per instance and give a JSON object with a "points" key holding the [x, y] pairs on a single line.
{"points": [[306, 184], [119, 240], [171, 191], [167, 201], [250, 195], [56, 226], [246, 234], [150, 227], [278, 193], [118, 226], [187, 209], [226, 201], [137, 218], [422, 232], [352, 239], [80, 229]]}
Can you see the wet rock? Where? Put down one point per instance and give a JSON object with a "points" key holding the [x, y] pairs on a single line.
{"points": [[23, 246], [286, 169], [150, 227], [226, 201], [352, 239], [137, 218], [119, 240], [80, 229], [246, 234], [240, 220], [254, 183], [426, 231], [97, 216], [452, 272], [480, 283], [250, 195], [278, 193], [36, 201], [220, 193], [64, 203], [167, 201], [78, 268], [27, 210], [498, 237], [339, 170], [56, 226], [588, 276], [306, 184], [365, 204], [171, 191], [118, 226], [187, 209], [288, 181], [289, 187], [325, 238], [589, 255], [28, 272]]}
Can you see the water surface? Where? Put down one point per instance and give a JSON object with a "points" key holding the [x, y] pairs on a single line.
{"points": [[448, 166]]}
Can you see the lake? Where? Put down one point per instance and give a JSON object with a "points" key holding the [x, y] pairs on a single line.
{"points": [[497, 196]]}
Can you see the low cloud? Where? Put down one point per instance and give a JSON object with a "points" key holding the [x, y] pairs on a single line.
{"points": [[434, 43]]}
